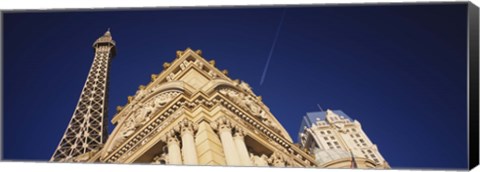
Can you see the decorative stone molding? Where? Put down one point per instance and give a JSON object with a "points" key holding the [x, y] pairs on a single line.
{"points": [[250, 104], [172, 113], [278, 146]]}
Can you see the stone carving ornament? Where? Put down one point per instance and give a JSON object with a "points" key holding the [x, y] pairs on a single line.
{"points": [[163, 99], [251, 104], [277, 160], [140, 114], [244, 86], [259, 160], [143, 114]]}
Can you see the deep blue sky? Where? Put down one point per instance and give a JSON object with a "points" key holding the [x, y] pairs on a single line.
{"points": [[399, 70]]}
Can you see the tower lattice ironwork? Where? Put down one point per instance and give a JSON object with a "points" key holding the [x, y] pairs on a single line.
{"points": [[87, 130]]}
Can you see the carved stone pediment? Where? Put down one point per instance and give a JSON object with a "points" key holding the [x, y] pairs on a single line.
{"points": [[250, 104], [140, 114]]}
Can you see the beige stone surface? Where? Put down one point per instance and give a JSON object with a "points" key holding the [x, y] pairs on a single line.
{"points": [[209, 147]]}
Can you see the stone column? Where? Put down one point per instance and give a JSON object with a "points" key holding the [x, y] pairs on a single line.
{"points": [[239, 139], [173, 145], [189, 151], [224, 128]]}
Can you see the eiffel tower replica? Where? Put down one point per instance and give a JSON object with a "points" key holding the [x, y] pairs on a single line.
{"points": [[87, 131], [191, 113]]}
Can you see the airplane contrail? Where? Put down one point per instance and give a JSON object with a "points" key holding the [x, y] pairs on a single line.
{"points": [[273, 47]]}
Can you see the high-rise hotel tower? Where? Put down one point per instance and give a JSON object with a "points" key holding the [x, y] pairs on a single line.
{"points": [[337, 141]]}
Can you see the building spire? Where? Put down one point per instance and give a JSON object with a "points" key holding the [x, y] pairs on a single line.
{"points": [[107, 33], [106, 39]]}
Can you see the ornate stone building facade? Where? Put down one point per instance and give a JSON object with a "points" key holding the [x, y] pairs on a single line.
{"points": [[337, 141], [192, 113]]}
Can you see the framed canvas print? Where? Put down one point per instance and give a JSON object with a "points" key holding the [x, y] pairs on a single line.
{"points": [[368, 86]]}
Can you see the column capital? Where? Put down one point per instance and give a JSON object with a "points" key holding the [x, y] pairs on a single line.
{"points": [[239, 132], [222, 124], [186, 126], [171, 138]]}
